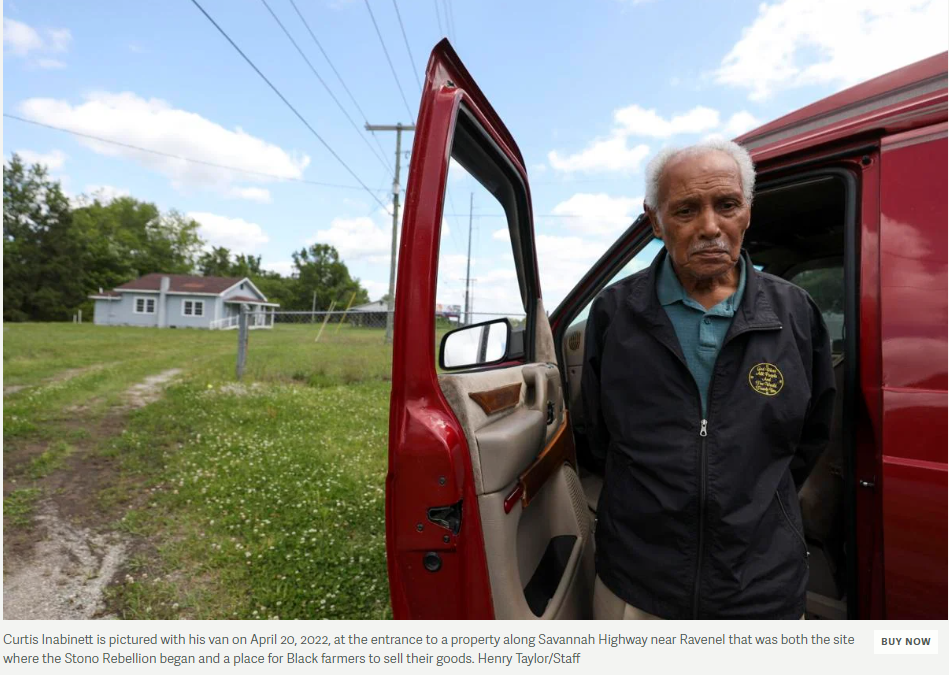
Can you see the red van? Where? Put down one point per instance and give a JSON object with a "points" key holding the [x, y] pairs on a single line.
{"points": [[490, 494]]}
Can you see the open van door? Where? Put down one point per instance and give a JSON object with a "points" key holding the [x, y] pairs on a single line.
{"points": [[485, 515]]}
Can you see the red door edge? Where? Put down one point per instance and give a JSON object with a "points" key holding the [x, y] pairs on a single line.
{"points": [[433, 572]]}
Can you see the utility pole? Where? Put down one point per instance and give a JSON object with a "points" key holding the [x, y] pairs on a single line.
{"points": [[468, 271], [396, 188]]}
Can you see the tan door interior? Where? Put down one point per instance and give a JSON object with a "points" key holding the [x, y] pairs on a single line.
{"points": [[539, 547]]}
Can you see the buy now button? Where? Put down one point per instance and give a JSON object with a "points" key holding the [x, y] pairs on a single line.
{"points": [[906, 642]]}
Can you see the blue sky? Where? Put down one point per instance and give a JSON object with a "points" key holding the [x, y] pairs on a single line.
{"points": [[590, 91]]}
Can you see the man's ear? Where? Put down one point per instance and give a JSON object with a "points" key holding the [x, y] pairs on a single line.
{"points": [[653, 220]]}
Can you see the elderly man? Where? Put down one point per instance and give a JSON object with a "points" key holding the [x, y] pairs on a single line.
{"points": [[708, 388]]}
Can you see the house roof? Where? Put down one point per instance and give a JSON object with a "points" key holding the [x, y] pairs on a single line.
{"points": [[242, 298], [106, 295], [378, 305], [181, 283]]}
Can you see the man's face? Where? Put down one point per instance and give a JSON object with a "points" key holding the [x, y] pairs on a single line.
{"points": [[702, 214]]}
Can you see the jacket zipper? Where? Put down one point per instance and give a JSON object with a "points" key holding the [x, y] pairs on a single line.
{"points": [[703, 466], [703, 462], [703, 434], [784, 512]]}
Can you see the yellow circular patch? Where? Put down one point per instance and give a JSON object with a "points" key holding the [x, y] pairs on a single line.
{"points": [[766, 379]]}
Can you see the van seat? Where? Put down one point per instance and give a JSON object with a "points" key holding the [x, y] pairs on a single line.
{"points": [[821, 499]]}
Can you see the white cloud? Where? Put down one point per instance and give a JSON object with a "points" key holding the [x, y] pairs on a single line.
{"points": [[59, 39], [20, 38], [281, 267], [607, 154], [615, 153], [793, 43], [254, 194], [739, 123], [52, 160], [598, 214], [375, 289], [637, 121], [50, 64], [356, 238], [154, 124], [236, 234], [563, 261]]}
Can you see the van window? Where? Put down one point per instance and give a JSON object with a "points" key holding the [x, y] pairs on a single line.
{"points": [[826, 286], [640, 261]]}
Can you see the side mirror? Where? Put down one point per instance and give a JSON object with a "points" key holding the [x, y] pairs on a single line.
{"points": [[480, 344]]}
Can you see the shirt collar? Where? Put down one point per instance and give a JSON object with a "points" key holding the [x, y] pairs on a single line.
{"points": [[669, 289]]}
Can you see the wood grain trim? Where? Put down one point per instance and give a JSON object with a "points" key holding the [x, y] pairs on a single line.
{"points": [[496, 400], [558, 452]]}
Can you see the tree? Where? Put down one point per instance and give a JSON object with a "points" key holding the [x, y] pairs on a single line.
{"points": [[42, 253], [246, 266], [319, 270], [215, 263], [277, 288], [128, 238]]}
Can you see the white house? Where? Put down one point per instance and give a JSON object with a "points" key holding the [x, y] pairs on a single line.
{"points": [[183, 301]]}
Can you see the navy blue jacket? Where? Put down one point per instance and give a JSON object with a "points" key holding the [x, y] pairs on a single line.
{"points": [[699, 518]]}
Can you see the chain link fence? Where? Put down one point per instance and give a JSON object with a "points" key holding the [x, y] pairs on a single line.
{"points": [[325, 347]]}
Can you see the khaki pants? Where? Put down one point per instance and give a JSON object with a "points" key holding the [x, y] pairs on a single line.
{"points": [[606, 605]]}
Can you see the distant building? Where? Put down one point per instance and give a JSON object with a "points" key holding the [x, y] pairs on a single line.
{"points": [[183, 301], [369, 315]]}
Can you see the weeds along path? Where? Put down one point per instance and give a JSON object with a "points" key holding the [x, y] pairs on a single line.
{"points": [[58, 563], [133, 491]]}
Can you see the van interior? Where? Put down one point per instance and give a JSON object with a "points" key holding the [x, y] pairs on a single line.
{"points": [[798, 232]]}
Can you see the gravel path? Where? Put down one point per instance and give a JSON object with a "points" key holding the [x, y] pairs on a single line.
{"points": [[69, 567], [69, 571]]}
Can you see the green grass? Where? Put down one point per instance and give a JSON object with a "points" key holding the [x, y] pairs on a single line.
{"points": [[18, 506], [258, 499], [51, 459]]}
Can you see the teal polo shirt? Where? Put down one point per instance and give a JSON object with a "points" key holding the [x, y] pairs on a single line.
{"points": [[701, 332]]}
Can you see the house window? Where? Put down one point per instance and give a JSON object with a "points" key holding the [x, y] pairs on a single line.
{"points": [[193, 308], [144, 305]]}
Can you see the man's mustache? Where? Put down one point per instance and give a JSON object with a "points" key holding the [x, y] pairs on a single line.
{"points": [[718, 245]]}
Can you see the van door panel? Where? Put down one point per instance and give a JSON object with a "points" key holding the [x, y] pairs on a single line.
{"points": [[506, 447], [913, 267], [484, 448]]}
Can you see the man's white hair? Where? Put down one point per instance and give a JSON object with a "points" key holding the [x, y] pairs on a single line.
{"points": [[657, 165]]}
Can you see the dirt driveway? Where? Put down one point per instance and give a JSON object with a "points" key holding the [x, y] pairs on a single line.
{"points": [[59, 564]]}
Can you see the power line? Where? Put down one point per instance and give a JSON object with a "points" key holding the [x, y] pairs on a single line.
{"points": [[326, 87], [352, 98], [406, 38], [438, 16], [449, 21], [180, 157], [288, 104], [391, 67]]}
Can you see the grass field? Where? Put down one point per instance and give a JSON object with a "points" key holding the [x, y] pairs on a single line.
{"points": [[257, 499]]}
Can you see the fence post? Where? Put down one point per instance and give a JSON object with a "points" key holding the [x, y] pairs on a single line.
{"points": [[242, 332]]}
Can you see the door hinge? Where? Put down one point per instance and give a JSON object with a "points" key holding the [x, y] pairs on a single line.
{"points": [[866, 484], [448, 517]]}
